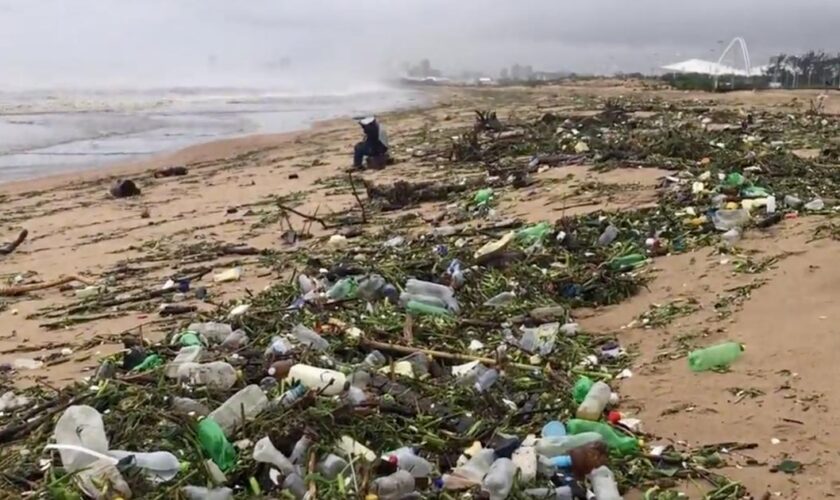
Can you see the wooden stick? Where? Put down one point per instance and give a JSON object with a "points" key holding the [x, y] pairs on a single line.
{"points": [[307, 217], [358, 200], [441, 354], [12, 291], [313, 486], [8, 248]]}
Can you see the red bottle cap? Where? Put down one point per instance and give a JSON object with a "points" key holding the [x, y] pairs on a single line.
{"points": [[614, 417]]}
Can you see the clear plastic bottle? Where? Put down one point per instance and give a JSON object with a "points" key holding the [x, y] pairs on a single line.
{"points": [[608, 236], [595, 402], [202, 493], [442, 292], [191, 407], [407, 460], [264, 451], [300, 450], [331, 466], [329, 382], [247, 404], [486, 379], [393, 487], [216, 375], [499, 479], [370, 288], [306, 284], [471, 473], [559, 493], [294, 484], [188, 354], [501, 299], [309, 338], [375, 359], [345, 288], [603, 484], [291, 396], [235, 341], [406, 298], [561, 445], [213, 332], [279, 346]]}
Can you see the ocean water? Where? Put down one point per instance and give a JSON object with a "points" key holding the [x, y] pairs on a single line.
{"points": [[48, 132]]}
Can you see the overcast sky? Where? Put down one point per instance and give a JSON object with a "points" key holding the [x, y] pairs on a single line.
{"points": [[338, 42]]}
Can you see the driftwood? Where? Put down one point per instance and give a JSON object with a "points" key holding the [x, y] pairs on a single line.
{"points": [[8, 248], [13, 291], [402, 194]]}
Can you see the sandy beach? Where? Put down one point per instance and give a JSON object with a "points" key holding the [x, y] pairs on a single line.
{"points": [[181, 226]]}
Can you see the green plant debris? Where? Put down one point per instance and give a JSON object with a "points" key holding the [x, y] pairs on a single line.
{"points": [[661, 315]]}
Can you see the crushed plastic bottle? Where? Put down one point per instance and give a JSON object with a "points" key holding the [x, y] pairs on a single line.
{"points": [[608, 236], [486, 380], [499, 479], [541, 339], [535, 234], [300, 450], [202, 493], [406, 459], [375, 359], [309, 338], [715, 356], [371, 287], [344, 289], [393, 487], [616, 441], [279, 346], [245, 404], [213, 332], [331, 466], [603, 484], [592, 407], [215, 444], [553, 446], [264, 451], [235, 341], [216, 375]]}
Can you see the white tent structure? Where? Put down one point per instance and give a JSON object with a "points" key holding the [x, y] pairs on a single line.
{"points": [[703, 67]]}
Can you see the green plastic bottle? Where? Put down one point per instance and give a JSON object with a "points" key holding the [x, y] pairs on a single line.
{"points": [[151, 361], [423, 309], [627, 262], [616, 441], [581, 388], [533, 234], [188, 339], [483, 197], [734, 179], [215, 444], [714, 356]]}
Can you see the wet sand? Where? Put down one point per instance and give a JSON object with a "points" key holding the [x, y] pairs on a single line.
{"points": [[779, 390]]}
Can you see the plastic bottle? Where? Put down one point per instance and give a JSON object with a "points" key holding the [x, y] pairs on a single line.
{"points": [[309, 338], [407, 460], [627, 262], [583, 459], [559, 493], [533, 234], [724, 219], [541, 339], [592, 407], [608, 236], [732, 236], [771, 204], [815, 204], [483, 197], [499, 479], [157, 466], [202, 493], [239, 408], [792, 201], [393, 487], [295, 485], [616, 442], [328, 382], [213, 332], [714, 356], [472, 472], [486, 380], [228, 275], [190, 407], [561, 445], [264, 451], [501, 299], [375, 359], [581, 388], [280, 369], [423, 309], [291, 396], [370, 288], [405, 298], [300, 450], [331, 466], [188, 339], [306, 284], [80, 425], [279, 346], [151, 362], [216, 375], [603, 484], [444, 293], [235, 341], [343, 289], [215, 444]]}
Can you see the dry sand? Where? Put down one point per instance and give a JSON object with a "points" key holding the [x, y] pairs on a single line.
{"points": [[780, 389]]}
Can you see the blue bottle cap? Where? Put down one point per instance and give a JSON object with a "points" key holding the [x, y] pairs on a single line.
{"points": [[553, 428], [561, 461]]}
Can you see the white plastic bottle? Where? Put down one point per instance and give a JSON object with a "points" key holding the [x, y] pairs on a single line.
{"points": [[264, 451], [330, 382], [603, 484], [592, 408], [217, 375], [247, 404], [395, 486], [499, 479]]}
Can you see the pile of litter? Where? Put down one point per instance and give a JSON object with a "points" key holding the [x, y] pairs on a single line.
{"points": [[425, 365]]}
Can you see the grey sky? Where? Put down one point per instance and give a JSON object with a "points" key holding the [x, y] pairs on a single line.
{"points": [[335, 42]]}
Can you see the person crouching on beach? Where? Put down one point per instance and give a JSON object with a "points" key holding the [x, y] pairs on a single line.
{"points": [[374, 147]]}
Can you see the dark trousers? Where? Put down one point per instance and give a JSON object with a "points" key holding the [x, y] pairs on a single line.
{"points": [[361, 150]]}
